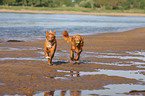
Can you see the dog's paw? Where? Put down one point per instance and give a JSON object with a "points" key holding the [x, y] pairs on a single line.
{"points": [[47, 57], [72, 59], [50, 64]]}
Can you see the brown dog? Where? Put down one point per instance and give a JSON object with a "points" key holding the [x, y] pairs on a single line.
{"points": [[50, 45], [77, 43]]}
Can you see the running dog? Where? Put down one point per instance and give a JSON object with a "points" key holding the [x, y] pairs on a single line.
{"points": [[77, 43], [50, 45]]}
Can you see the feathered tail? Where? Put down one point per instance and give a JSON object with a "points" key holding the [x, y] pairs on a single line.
{"points": [[66, 36]]}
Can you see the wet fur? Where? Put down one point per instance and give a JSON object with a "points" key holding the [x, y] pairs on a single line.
{"points": [[49, 48], [77, 48]]}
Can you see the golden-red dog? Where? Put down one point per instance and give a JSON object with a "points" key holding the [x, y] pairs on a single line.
{"points": [[77, 43], [50, 45]]}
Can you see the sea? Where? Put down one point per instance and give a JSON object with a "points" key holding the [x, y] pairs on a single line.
{"points": [[30, 27]]}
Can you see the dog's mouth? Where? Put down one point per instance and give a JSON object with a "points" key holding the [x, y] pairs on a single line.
{"points": [[50, 41], [49, 44], [78, 42]]}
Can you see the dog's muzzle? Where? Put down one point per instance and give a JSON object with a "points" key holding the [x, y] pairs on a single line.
{"points": [[78, 42], [50, 41]]}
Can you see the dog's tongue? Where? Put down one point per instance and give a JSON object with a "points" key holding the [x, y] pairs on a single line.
{"points": [[49, 43]]}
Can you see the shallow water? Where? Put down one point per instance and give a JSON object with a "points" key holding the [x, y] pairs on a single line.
{"points": [[2, 84], [131, 74], [18, 49], [111, 90], [22, 26], [21, 58], [141, 53], [117, 56], [128, 57]]}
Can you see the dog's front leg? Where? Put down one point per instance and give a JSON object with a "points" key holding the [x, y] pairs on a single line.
{"points": [[72, 55], [45, 51], [52, 54], [49, 61]]}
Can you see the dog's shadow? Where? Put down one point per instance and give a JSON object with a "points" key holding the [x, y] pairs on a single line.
{"points": [[81, 62], [60, 62], [73, 62]]}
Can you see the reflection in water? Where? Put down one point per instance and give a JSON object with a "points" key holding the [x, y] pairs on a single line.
{"points": [[109, 90], [131, 74], [75, 93], [63, 93], [72, 73], [49, 93]]}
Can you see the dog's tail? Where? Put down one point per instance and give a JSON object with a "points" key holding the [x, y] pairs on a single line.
{"points": [[66, 36]]}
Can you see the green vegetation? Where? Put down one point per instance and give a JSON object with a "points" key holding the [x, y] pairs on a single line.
{"points": [[126, 6]]}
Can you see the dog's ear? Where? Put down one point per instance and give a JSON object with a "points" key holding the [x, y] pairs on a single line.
{"points": [[66, 36], [50, 31], [47, 33], [82, 40], [65, 33], [54, 32]]}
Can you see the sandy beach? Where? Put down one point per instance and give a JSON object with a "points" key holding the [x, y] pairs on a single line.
{"points": [[70, 12], [24, 70]]}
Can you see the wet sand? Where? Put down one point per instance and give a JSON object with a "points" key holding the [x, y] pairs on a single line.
{"points": [[24, 70], [71, 12]]}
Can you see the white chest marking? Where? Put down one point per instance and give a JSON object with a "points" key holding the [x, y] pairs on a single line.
{"points": [[49, 44]]}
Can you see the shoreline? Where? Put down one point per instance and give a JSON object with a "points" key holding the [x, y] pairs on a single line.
{"points": [[71, 12]]}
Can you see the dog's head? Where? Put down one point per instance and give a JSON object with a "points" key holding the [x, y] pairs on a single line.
{"points": [[50, 36], [77, 39]]}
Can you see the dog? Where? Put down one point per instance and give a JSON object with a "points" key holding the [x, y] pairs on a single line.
{"points": [[50, 45], [77, 43]]}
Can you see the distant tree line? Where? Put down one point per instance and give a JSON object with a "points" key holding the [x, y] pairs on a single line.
{"points": [[95, 4]]}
